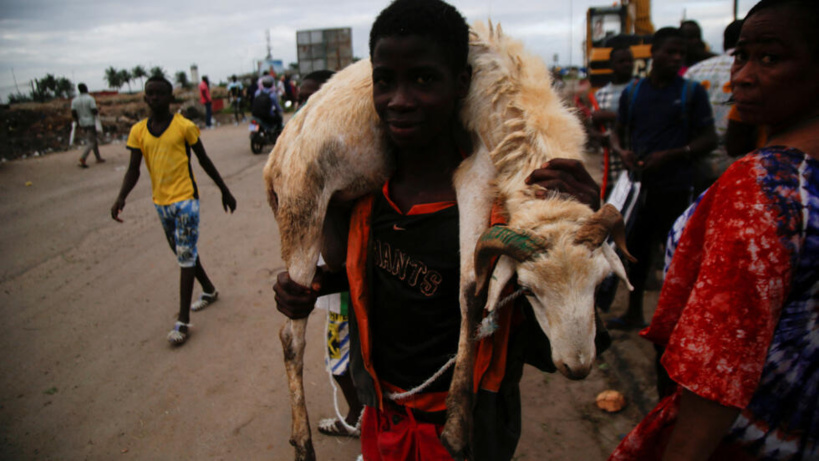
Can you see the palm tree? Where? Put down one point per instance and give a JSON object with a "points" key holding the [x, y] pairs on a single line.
{"points": [[125, 77], [113, 78], [64, 88], [182, 79], [139, 72], [157, 71], [44, 89]]}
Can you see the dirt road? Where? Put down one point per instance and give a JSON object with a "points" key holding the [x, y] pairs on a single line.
{"points": [[86, 302]]}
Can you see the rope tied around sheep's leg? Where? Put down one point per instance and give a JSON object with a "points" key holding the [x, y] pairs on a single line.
{"points": [[489, 324]]}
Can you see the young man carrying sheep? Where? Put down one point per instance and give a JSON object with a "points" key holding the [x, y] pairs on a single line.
{"points": [[405, 324]]}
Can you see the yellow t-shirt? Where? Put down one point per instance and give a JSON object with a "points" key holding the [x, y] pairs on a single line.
{"points": [[168, 158]]}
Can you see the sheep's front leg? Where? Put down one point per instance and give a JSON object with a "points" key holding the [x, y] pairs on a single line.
{"points": [[475, 198], [301, 239], [292, 338]]}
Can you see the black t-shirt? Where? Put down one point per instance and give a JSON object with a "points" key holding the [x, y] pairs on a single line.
{"points": [[415, 314]]}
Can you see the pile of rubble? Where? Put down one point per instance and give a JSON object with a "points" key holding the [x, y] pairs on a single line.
{"points": [[33, 129]]}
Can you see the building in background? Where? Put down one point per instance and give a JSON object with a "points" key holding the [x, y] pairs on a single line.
{"points": [[324, 49], [269, 66]]}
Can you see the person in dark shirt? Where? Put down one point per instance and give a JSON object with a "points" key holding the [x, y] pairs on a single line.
{"points": [[664, 123]]}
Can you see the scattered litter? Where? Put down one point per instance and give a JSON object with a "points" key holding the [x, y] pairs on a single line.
{"points": [[50, 391], [611, 401], [29, 183]]}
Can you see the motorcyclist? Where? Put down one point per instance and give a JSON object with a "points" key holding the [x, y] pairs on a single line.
{"points": [[266, 109]]}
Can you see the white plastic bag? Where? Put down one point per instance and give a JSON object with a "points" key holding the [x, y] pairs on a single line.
{"points": [[73, 132]]}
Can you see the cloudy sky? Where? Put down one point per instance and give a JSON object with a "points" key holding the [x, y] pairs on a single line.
{"points": [[79, 39]]}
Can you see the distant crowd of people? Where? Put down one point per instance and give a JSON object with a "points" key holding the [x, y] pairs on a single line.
{"points": [[736, 328]]}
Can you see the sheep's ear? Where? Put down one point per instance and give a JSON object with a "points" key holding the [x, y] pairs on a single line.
{"points": [[504, 270], [616, 264]]}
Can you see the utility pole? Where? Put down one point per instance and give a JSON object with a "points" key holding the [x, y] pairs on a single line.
{"points": [[571, 30], [15, 80]]}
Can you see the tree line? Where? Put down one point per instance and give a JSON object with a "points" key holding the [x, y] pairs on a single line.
{"points": [[45, 89], [117, 78], [50, 87]]}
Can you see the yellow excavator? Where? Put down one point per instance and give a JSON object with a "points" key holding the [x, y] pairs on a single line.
{"points": [[627, 23]]}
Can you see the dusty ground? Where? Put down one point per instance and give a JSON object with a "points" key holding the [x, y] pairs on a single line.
{"points": [[85, 304]]}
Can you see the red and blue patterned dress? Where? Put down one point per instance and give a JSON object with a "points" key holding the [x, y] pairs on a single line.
{"points": [[739, 311]]}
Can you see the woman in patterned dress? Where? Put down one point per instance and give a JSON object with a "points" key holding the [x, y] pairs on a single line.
{"points": [[738, 315]]}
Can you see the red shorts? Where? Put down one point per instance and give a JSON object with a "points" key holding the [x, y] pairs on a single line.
{"points": [[393, 434]]}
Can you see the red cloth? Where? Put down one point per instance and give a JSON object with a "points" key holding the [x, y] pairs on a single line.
{"points": [[723, 293], [720, 304], [395, 435]]}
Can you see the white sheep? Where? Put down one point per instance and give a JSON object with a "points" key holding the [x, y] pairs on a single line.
{"points": [[335, 148]]}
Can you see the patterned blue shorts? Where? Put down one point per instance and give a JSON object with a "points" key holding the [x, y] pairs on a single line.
{"points": [[337, 359], [180, 221]]}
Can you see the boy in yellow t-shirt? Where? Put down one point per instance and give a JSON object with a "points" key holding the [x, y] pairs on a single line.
{"points": [[165, 140]]}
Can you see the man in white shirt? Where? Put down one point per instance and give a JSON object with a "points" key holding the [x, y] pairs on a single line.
{"points": [[84, 112], [608, 103]]}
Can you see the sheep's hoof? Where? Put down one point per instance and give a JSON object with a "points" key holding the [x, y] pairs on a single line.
{"points": [[455, 438], [305, 453]]}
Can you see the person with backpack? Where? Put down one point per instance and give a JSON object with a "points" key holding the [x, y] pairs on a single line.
{"points": [[664, 123], [266, 109]]}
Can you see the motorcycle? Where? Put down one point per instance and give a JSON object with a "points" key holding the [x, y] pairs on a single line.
{"points": [[261, 136]]}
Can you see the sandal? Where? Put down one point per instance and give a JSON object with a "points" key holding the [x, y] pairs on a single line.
{"points": [[179, 334], [205, 300], [336, 428], [618, 323]]}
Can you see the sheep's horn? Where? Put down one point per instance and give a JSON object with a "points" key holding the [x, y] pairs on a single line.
{"points": [[607, 221], [518, 244]]}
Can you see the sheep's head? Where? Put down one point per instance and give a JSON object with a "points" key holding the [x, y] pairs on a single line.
{"points": [[559, 275]]}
